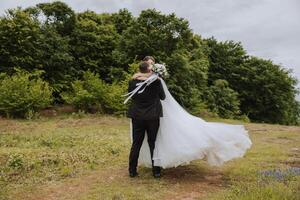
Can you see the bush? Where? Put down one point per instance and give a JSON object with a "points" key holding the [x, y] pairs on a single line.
{"points": [[23, 93], [201, 109], [113, 100], [87, 93], [93, 94], [243, 117]]}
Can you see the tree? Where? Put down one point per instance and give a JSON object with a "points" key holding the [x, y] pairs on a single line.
{"points": [[93, 41], [222, 100], [59, 15], [266, 91], [269, 93], [226, 61], [170, 40], [122, 20], [57, 22], [57, 61], [20, 39], [153, 33]]}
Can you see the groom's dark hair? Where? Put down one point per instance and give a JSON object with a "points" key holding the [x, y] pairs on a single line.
{"points": [[144, 67]]}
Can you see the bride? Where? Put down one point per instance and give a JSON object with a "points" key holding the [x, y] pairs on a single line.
{"points": [[183, 137]]}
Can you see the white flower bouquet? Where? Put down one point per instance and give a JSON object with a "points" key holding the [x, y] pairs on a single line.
{"points": [[160, 69]]}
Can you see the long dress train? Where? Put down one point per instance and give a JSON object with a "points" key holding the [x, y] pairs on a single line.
{"points": [[183, 137]]}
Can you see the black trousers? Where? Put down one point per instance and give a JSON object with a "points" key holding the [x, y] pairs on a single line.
{"points": [[139, 127]]}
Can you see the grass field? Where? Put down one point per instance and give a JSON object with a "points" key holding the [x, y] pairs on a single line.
{"points": [[86, 157]]}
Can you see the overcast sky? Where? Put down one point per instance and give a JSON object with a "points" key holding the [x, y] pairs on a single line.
{"points": [[267, 28]]}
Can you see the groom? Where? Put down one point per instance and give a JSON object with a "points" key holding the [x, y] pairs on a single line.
{"points": [[145, 112]]}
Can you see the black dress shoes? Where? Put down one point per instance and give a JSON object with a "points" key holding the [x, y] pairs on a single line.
{"points": [[156, 172], [133, 174]]}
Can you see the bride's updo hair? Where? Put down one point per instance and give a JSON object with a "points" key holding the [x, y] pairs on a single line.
{"points": [[144, 67], [149, 58]]}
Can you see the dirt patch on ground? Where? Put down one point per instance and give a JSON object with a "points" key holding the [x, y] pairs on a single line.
{"points": [[8, 125], [186, 182], [72, 188], [190, 182]]}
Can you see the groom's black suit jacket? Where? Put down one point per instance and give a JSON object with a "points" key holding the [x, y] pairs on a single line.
{"points": [[146, 105]]}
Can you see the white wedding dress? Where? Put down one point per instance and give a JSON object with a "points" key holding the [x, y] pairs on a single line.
{"points": [[183, 137]]}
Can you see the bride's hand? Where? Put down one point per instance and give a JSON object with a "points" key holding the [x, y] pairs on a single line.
{"points": [[143, 75], [142, 78]]}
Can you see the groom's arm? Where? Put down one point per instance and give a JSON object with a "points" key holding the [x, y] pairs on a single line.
{"points": [[131, 86], [161, 93]]}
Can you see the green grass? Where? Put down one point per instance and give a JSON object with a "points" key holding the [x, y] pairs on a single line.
{"points": [[86, 157], [272, 149]]}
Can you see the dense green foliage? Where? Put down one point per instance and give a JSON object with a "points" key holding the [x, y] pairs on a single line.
{"points": [[86, 58], [94, 95], [266, 91], [23, 93], [222, 99]]}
